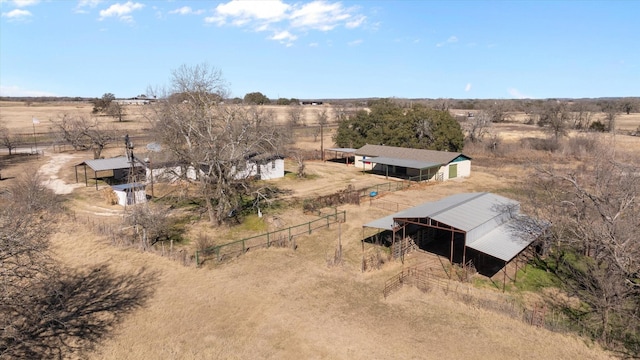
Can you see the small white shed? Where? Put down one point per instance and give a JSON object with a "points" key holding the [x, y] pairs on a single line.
{"points": [[130, 194]]}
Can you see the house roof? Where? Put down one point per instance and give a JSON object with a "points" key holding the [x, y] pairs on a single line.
{"points": [[120, 162], [128, 187], [470, 211], [430, 156], [414, 164], [344, 150]]}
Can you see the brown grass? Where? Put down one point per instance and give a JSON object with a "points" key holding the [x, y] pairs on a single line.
{"points": [[285, 304]]}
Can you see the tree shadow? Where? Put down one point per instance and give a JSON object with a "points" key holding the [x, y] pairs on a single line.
{"points": [[71, 311]]}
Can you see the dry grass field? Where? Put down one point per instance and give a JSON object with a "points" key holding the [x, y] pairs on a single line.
{"points": [[286, 304]]}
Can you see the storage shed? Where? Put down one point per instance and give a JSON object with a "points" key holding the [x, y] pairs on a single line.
{"points": [[130, 194]]}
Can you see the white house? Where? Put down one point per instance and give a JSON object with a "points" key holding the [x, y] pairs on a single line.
{"points": [[262, 166], [416, 164]]}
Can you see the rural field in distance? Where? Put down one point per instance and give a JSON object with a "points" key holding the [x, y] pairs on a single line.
{"points": [[281, 303]]}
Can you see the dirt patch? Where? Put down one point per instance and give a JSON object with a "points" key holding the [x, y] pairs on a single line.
{"points": [[49, 171]]}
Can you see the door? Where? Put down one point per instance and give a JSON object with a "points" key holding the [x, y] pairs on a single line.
{"points": [[453, 171]]}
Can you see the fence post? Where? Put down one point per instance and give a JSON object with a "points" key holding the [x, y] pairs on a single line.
{"points": [[327, 221], [197, 259], [218, 253], [289, 232], [268, 240], [243, 247], [309, 227]]}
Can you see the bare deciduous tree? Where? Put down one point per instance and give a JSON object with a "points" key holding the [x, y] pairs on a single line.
{"points": [[83, 133], [46, 310], [116, 110], [8, 139], [554, 116], [478, 126], [593, 243], [295, 115], [214, 139]]}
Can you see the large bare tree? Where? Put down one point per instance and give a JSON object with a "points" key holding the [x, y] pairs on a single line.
{"points": [[49, 311], [8, 139], [214, 139], [593, 241], [83, 133]]}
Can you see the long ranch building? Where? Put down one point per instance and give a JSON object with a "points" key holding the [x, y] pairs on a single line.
{"points": [[416, 164]]}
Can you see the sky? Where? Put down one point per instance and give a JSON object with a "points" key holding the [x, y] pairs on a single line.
{"points": [[324, 49]]}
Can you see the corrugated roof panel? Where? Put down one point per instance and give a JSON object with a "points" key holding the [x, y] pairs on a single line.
{"points": [[503, 242], [129, 186], [344, 150], [440, 157], [385, 223], [474, 212], [413, 164], [120, 162]]}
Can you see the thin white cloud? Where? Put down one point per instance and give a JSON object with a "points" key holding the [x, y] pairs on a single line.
{"points": [[83, 4], [280, 17], [355, 42], [452, 39], [355, 22], [17, 14], [319, 15], [468, 87], [17, 91], [25, 3], [244, 12], [515, 93], [283, 35], [313, 44], [186, 10], [121, 11]]}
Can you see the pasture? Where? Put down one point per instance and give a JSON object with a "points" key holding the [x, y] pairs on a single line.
{"points": [[281, 303]]}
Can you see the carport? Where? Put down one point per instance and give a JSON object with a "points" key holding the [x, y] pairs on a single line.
{"points": [[114, 168]]}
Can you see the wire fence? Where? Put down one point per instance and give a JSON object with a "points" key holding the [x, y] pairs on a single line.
{"points": [[277, 238]]}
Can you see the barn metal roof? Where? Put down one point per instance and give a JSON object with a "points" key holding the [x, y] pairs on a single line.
{"points": [[504, 242], [470, 211], [120, 162], [413, 164]]}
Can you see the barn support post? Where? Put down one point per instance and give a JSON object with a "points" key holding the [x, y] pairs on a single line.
{"points": [[464, 252], [86, 181], [504, 278], [76, 168], [515, 277], [404, 236], [451, 258], [95, 177]]}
